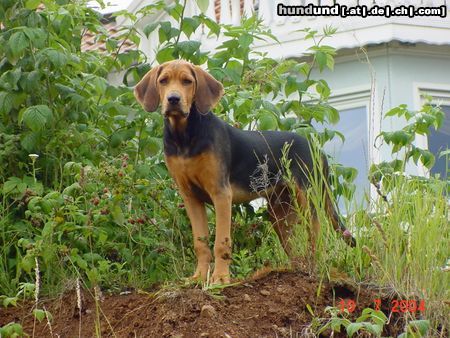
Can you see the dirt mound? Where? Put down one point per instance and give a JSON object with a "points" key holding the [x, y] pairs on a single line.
{"points": [[275, 305]]}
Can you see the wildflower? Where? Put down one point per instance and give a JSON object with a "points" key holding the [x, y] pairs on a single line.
{"points": [[37, 284], [33, 156]]}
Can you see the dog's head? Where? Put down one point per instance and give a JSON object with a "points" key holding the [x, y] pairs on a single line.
{"points": [[177, 85]]}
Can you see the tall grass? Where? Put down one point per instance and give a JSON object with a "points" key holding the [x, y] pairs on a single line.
{"points": [[402, 241]]}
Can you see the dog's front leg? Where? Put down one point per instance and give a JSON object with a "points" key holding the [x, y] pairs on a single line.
{"points": [[197, 215], [222, 245]]}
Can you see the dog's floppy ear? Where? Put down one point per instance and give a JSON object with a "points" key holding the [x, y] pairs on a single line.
{"points": [[146, 91], [208, 92]]}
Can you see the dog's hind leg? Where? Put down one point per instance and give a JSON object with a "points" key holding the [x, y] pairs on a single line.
{"points": [[284, 214], [337, 223], [330, 207], [313, 224], [283, 217]]}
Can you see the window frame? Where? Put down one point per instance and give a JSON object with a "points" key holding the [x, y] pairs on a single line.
{"points": [[440, 95], [363, 96]]}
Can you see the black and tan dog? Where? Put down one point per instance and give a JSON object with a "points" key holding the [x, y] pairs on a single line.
{"points": [[213, 162]]}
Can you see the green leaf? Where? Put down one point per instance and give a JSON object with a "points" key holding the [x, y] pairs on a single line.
{"points": [[374, 329], [323, 89], [30, 140], [36, 117], [165, 54], [330, 61], [27, 263], [310, 310], [11, 330], [100, 84], [116, 139], [17, 43], [7, 301], [30, 82], [71, 189], [203, 5], [291, 85], [212, 25], [11, 184], [32, 4], [9, 79], [336, 325], [46, 207], [37, 36], [56, 57], [321, 59], [152, 145], [6, 102], [427, 158], [232, 74], [245, 40], [39, 314], [378, 317], [175, 10], [93, 275], [47, 231], [167, 32], [188, 47], [112, 44], [353, 328], [444, 153], [418, 326], [117, 215], [148, 29], [80, 261], [401, 110], [267, 121], [190, 25]]}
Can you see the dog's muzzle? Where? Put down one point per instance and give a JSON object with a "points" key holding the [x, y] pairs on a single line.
{"points": [[173, 107]]}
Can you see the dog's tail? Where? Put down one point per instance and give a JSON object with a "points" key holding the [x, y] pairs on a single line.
{"points": [[331, 208]]}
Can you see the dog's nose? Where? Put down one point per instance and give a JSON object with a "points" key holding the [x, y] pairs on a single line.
{"points": [[173, 98]]}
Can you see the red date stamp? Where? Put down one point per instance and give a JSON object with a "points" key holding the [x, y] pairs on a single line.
{"points": [[400, 306]]}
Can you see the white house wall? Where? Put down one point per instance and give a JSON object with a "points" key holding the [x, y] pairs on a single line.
{"points": [[393, 74]]}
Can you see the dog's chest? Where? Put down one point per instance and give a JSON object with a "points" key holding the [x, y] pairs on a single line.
{"points": [[202, 171]]}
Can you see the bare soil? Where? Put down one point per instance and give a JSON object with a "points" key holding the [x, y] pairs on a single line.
{"points": [[274, 305]]}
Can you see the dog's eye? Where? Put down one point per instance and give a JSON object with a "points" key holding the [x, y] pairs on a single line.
{"points": [[163, 81], [186, 82]]}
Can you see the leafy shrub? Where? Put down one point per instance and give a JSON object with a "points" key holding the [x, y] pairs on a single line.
{"points": [[96, 200]]}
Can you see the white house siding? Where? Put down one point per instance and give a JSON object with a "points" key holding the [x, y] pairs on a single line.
{"points": [[393, 74]]}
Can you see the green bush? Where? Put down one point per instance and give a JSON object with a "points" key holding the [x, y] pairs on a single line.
{"points": [[96, 201]]}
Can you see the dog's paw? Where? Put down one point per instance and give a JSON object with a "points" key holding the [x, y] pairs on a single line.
{"points": [[220, 279], [200, 275]]}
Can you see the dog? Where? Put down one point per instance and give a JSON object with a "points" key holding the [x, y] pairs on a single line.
{"points": [[213, 162]]}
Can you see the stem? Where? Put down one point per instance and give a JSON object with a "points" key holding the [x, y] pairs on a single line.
{"points": [[139, 142], [109, 70], [181, 22], [311, 65]]}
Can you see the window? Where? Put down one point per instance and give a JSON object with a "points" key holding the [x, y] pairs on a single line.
{"points": [[353, 152], [438, 141]]}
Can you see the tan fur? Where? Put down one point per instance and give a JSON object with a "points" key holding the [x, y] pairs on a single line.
{"points": [[191, 83], [204, 171], [283, 214]]}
